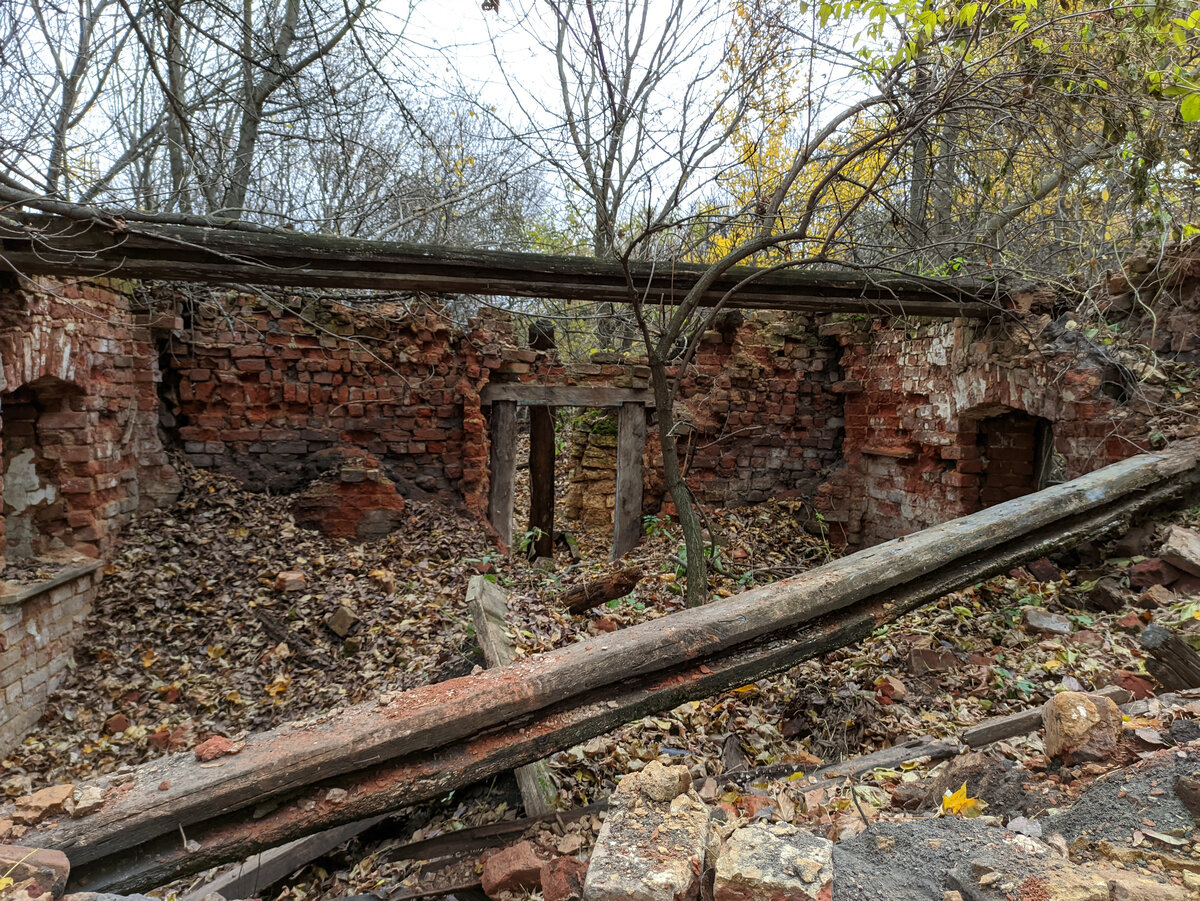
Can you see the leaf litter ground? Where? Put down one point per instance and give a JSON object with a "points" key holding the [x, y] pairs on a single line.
{"points": [[190, 638]]}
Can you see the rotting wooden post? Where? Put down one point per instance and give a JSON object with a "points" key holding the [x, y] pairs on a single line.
{"points": [[631, 444], [1172, 661], [541, 457], [502, 468], [489, 612]]}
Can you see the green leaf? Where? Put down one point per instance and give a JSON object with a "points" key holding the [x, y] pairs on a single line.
{"points": [[1190, 108]]}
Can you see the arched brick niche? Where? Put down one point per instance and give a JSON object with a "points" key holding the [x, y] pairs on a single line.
{"points": [[1015, 451], [37, 430], [79, 453], [945, 418]]}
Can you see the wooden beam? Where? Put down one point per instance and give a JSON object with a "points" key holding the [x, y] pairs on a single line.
{"points": [[541, 458], [59, 247], [489, 612], [422, 743], [1172, 661], [528, 394], [252, 876], [631, 445], [502, 468]]}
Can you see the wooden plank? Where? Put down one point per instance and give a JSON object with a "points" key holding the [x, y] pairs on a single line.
{"points": [[541, 458], [631, 445], [226, 256], [417, 744], [564, 395], [263, 870], [502, 468], [489, 611], [1172, 661], [1023, 722], [913, 749]]}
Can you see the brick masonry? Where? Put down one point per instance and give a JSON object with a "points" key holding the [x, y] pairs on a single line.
{"points": [[272, 395], [942, 419], [80, 452], [886, 426], [38, 627]]}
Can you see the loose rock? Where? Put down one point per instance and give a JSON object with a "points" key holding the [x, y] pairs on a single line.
{"points": [[779, 862], [511, 869], [562, 879], [1154, 571], [1181, 549], [48, 870], [650, 850], [36, 807], [1080, 727], [290, 581], [217, 746], [1041, 620]]}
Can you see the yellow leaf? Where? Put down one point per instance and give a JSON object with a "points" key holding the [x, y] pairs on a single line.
{"points": [[5, 882], [148, 658], [279, 685], [959, 805]]}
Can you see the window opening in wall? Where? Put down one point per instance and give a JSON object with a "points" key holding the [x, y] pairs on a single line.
{"points": [[1017, 454]]}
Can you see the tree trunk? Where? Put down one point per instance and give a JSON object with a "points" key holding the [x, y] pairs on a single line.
{"points": [[681, 495]]}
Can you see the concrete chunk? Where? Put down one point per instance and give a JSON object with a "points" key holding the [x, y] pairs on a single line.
{"points": [[1181, 549], [649, 850], [774, 862]]}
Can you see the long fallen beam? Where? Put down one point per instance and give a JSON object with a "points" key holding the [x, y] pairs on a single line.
{"points": [[39, 245], [420, 744]]}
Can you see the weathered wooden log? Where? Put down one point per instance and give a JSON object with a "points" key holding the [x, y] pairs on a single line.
{"points": [[601, 589], [225, 256], [998, 728], [423, 743], [1172, 662], [541, 458], [489, 612]]}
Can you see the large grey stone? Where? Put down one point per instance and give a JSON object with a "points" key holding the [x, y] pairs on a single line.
{"points": [[1181, 548], [650, 849], [1041, 620], [774, 862]]}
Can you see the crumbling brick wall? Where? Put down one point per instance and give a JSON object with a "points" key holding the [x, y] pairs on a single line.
{"points": [[78, 415], [81, 453], [271, 393], [757, 414], [940, 419]]}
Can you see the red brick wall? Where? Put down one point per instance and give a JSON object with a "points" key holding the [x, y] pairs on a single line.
{"points": [[80, 451], [758, 415], [74, 356], [269, 395], [916, 396]]}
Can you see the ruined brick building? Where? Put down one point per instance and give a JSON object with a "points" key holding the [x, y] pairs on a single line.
{"points": [[884, 425]]}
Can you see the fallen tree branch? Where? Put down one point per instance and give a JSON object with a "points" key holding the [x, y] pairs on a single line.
{"points": [[423, 743], [601, 589]]}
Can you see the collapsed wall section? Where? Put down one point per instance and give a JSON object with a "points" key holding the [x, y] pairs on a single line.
{"points": [[274, 394]]}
